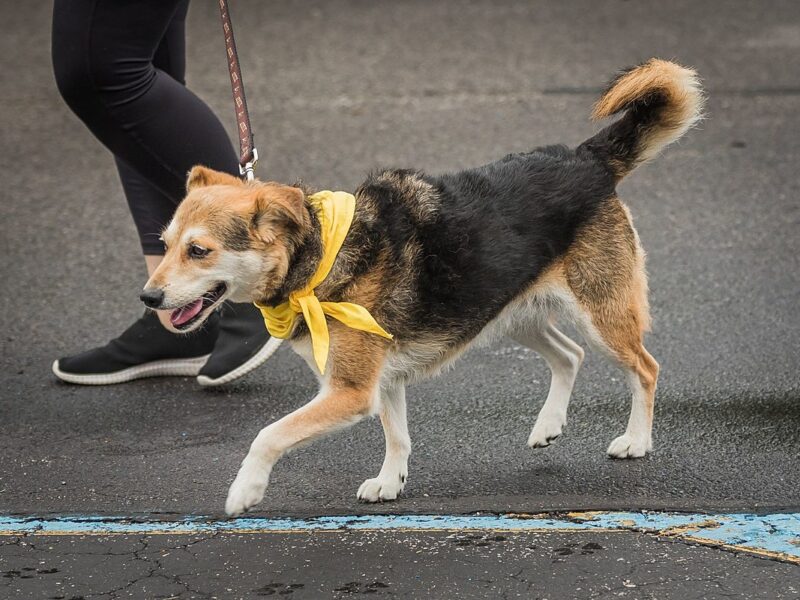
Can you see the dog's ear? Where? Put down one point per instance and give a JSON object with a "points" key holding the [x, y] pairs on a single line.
{"points": [[201, 176], [279, 205]]}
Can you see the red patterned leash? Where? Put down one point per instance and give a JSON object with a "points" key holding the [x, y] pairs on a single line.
{"points": [[248, 155]]}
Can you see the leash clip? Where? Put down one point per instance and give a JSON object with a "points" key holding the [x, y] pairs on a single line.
{"points": [[248, 169]]}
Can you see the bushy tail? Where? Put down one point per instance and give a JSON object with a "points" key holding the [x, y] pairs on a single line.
{"points": [[661, 100]]}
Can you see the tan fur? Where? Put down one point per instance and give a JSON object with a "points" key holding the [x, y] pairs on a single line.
{"points": [[604, 271], [683, 95], [350, 393], [276, 203], [274, 213], [368, 290], [356, 358], [201, 176]]}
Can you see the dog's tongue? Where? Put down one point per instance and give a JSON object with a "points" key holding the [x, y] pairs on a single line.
{"points": [[179, 316]]}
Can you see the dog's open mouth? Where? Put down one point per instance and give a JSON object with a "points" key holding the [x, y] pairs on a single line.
{"points": [[187, 315]]}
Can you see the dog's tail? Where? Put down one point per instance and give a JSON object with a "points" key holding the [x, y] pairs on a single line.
{"points": [[661, 100]]}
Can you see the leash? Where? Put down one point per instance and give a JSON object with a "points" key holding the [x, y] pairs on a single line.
{"points": [[248, 155]]}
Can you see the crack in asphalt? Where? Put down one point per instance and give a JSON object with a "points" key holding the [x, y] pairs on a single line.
{"points": [[156, 569], [153, 559]]}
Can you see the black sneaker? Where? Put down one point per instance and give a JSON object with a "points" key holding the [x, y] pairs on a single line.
{"points": [[145, 349], [243, 344]]}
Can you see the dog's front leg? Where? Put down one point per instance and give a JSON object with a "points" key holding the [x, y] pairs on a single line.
{"points": [[331, 409], [392, 478], [349, 393]]}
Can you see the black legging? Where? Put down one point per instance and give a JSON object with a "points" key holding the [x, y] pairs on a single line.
{"points": [[120, 64]]}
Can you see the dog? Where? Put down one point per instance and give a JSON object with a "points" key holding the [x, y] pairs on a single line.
{"points": [[440, 264]]}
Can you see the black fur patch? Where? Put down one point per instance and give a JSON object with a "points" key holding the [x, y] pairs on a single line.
{"points": [[302, 263], [495, 229], [619, 144], [234, 234]]}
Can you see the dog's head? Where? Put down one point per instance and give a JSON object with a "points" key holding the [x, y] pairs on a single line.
{"points": [[228, 240]]}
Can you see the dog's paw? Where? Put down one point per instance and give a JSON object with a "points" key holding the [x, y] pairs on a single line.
{"points": [[247, 490], [546, 430], [381, 489], [629, 446]]}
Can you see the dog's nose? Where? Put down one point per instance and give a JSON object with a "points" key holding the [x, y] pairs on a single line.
{"points": [[152, 297]]}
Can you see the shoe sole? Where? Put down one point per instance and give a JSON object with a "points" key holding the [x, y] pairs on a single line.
{"points": [[176, 367], [256, 360]]}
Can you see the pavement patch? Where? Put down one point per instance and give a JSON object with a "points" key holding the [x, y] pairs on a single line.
{"points": [[775, 536]]}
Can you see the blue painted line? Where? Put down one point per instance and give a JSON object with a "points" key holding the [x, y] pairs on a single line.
{"points": [[121, 525], [774, 536]]}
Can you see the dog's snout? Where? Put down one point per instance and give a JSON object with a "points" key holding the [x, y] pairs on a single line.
{"points": [[152, 297]]}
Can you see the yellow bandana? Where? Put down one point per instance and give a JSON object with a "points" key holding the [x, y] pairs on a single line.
{"points": [[335, 211]]}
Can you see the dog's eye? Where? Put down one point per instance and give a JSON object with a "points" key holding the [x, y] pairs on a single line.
{"points": [[196, 251]]}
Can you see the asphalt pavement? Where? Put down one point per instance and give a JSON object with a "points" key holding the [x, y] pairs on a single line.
{"points": [[400, 565], [339, 88]]}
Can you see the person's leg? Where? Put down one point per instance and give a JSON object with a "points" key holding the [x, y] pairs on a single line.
{"points": [[151, 211], [87, 48], [120, 67], [243, 342], [151, 208], [103, 58]]}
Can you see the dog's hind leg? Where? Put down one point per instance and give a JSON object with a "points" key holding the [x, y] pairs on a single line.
{"points": [[605, 272], [349, 393], [642, 372], [392, 478], [564, 357], [621, 337]]}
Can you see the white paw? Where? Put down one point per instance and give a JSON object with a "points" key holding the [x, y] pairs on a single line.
{"points": [[629, 446], [380, 489], [546, 429], [247, 489]]}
